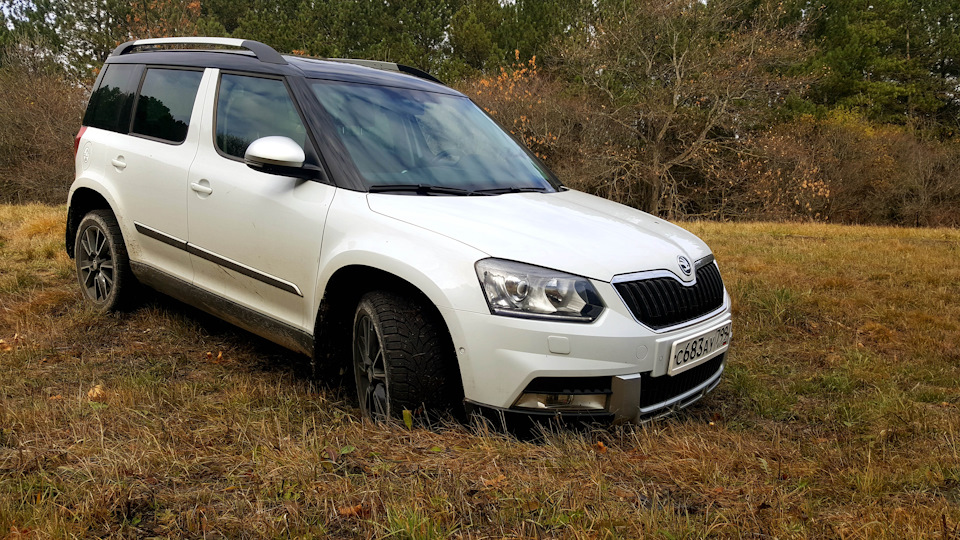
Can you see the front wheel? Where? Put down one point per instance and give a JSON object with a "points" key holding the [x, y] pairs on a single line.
{"points": [[103, 268], [402, 358]]}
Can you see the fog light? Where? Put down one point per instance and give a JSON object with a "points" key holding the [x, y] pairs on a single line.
{"points": [[564, 402]]}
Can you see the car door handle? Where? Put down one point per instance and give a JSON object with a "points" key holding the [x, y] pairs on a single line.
{"points": [[119, 163], [200, 188]]}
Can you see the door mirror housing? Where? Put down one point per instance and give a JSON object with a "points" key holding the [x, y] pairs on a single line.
{"points": [[276, 155]]}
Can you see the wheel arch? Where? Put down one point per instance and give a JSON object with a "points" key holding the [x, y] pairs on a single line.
{"points": [[83, 200], [340, 296]]}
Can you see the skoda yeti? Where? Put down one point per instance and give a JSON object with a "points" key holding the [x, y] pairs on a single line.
{"points": [[367, 215]]}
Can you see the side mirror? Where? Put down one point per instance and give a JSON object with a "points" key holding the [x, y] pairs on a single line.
{"points": [[276, 155]]}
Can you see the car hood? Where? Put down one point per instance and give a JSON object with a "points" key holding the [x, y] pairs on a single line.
{"points": [[569, 231]]}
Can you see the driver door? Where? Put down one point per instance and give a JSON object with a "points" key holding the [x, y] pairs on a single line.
{"points": [[255, 237]]}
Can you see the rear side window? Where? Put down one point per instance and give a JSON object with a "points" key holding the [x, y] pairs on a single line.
{"points": [[166, 103], [110, 103], [249, 108]]}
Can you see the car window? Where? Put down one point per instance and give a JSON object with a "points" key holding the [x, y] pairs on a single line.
{"points": [[110, 104], [249, 108], [166, 103], [401, 136]]}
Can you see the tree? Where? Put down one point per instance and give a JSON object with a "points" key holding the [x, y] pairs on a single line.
{"points": [[80, 33], [472, 34], [307, 26], [677, 83], [410, 32], [893, 60], [532, 27], [165, 18]]}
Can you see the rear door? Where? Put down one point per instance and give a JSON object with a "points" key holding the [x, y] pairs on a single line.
{"points": [[255, 237], [148, 166]]}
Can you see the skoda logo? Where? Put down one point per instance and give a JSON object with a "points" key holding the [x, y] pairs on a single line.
{"points": [[685, 265]]}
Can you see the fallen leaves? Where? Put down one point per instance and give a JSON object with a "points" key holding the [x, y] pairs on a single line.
{"points": [[218, 359], [493, 482], [6, 346], [357, 511], [530, 505], [16, 533], [600, 448], [97, 393]]}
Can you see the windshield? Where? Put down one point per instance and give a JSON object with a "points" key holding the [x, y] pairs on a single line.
{"points": [[401, 137]]}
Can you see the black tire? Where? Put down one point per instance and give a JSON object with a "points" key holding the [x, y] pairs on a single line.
{"points": [[103, 267], [403, 359]]}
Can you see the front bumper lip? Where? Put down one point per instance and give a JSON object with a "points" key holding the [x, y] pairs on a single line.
{"points": [[624, 405], [678, 402]]}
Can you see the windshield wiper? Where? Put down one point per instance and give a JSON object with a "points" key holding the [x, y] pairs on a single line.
{"points": [[501, 190], [422, 189]]}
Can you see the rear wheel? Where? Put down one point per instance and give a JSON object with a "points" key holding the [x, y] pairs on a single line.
{"points": [[103, 268], [402, 358]]}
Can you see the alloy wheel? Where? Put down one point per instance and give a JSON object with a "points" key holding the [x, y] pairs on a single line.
{"points": [[96, 264], [370, 370]]}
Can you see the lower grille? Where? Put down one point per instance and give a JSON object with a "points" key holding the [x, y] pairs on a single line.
{"points": [[569, 385], [655, 390]]}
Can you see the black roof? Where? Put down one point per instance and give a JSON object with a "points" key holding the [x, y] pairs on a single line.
{"points": [[244, 60], [343, 70]]}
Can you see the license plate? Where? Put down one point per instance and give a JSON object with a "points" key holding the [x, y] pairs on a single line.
{"points": [[689, 352]]}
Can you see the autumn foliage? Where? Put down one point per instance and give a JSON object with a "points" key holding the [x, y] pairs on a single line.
{"points": [[161, 18], [515, 95], [716, 110], [838, 167]]}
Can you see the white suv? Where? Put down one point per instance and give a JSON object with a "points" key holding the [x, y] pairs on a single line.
{"points": [[365, 214]]}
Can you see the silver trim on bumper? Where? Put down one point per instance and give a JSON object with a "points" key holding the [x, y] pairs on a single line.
{"points": [[626, 397]]}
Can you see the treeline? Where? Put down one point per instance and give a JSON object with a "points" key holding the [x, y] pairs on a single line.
{"points": [[834, 110]]}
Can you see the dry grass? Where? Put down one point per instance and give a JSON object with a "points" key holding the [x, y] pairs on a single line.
{"points": [[838, 417]]}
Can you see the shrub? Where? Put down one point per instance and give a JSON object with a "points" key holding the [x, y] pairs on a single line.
{"points": [[839, 167], [39, 116], [846, 169]]}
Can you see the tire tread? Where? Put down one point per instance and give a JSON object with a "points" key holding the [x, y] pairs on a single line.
{"points": [[421, 369]]}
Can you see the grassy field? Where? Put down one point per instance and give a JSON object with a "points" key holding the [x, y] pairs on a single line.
{"points": [[838, 416]]}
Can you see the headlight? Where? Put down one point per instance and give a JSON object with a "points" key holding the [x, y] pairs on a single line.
{"points": [[522, 290]]}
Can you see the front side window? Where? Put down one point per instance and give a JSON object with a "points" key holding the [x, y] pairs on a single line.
{"points": [[403, 137], [249, 108], [110, 104], [166, 103]]}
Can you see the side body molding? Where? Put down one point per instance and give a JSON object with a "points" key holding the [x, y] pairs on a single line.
{"points": [[253, 321]]}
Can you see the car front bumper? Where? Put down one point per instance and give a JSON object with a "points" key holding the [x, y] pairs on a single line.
{"points": [[615, 359], [623, 406]]}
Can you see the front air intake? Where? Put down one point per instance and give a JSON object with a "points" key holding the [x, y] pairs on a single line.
{"points": [[663, 302]]}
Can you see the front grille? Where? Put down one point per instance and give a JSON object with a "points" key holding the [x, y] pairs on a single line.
{"points": [[662, 302], [655, 390]]}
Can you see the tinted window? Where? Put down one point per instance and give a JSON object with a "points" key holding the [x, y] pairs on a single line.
{"points": [[401, 136], [165, 103], [110, 104], [249, 108]]}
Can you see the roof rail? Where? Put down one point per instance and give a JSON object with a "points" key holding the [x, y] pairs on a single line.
{"points": [[263, 52], [388, 66]]}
